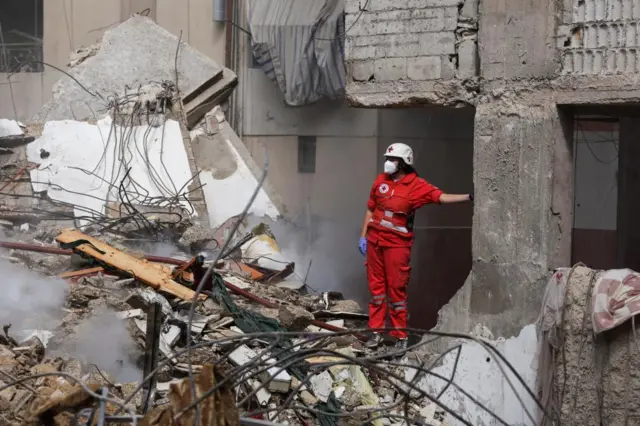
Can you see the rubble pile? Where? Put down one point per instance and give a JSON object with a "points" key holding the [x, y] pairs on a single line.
{"points": [[260, 341], [136, 291]]}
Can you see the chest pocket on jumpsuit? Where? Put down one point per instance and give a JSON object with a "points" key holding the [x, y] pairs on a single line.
{"points": [[394, 209]]}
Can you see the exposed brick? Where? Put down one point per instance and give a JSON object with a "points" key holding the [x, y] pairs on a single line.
{"points": [[450, 19], [360, 27], [361, 70], [442, 43], [364, 52], [426, 25], [390, 69], [393, 15], [389, 27], [377, 5], [437, 13], [467, 58], [424, 68], [372, 40], [391, 50], [421, 4]]}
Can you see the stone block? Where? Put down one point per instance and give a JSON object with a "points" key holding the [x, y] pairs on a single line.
{"points": [[450, 19], [379, 5], [389, 27], [424, 68], [468, 58], [422, 4], [469, 9], [399, 50], [390, 69], [393, 15], [361, 70], [426, 25], [364, 52], [373, 40], [436, 13], [442, 43], [360, 27]]}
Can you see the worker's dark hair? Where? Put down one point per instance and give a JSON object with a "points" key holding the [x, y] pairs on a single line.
{"points": [[406, 168]]}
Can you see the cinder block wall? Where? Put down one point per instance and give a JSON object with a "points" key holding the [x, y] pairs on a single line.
{"points": [[409, 41], [600, 37]]}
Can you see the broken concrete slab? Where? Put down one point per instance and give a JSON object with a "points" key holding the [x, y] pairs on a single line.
{"points": [[9, 128], [119, 63], [276, 380], [230, 173], [199, 102], [83, 167], [294, 318]]}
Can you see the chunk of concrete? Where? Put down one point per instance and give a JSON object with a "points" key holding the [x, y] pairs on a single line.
{"points": [[9, 128], [322, 385], [294, 318], [276, 380], [119, 62]]}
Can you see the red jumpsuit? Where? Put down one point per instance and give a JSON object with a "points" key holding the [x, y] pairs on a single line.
{"points": [[389, 240]]}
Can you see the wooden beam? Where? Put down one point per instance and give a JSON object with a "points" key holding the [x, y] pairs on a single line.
{"points": [[140, 269]]}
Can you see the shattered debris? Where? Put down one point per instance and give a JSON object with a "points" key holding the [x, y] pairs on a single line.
{"points": [[134, 157]]}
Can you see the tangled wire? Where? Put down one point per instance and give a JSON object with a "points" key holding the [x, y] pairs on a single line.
{"points": [[272, 361]]}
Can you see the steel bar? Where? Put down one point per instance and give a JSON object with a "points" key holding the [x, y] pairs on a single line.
{"points": [[151, 353]]}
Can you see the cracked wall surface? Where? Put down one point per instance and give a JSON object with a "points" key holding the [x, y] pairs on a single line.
{"points": [[411, 51]]}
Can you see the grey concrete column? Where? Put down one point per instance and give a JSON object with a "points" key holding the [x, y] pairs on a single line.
{"points": [[522, 215]]}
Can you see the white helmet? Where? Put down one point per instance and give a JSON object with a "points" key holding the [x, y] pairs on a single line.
{"points": [[400, 150]]}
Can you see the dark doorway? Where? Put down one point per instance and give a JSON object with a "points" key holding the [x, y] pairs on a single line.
{"points": [[606, 232], [442, 141]]}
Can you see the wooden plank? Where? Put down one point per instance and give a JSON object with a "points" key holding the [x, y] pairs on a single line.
{"points": [[142, 270], [81, 273]]}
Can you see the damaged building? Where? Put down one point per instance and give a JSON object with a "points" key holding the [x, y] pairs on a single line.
{"points": [[148, 126]]}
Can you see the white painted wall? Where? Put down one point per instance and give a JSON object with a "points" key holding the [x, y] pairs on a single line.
{"points": [[481, 375], [596, 178]]}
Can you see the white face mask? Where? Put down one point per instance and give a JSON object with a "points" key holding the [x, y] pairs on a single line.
{"points": [[390, 167]]}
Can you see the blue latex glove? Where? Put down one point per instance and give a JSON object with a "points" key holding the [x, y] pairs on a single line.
{"points": [[362, 246]]}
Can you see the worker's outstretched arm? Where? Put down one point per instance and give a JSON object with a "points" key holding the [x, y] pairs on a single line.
{"points": [[455, 198], [367, 218]]}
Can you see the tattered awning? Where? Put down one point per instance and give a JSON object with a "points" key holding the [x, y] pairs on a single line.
{"points": [[300, 45]]}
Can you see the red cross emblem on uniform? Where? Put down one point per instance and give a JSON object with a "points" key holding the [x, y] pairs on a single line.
{"points": [[390, 149]]}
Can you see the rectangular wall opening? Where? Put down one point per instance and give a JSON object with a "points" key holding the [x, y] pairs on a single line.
{"points": [[442, 141], [607, 188]]}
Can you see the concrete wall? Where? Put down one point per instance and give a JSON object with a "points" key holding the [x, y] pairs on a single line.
{"points": [[599, 37], [71, 24], [400, 48]]}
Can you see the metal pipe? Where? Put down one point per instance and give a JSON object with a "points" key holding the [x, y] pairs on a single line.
{"points": [[168, 260], [272, 305], [56, 250], [219, 10]]}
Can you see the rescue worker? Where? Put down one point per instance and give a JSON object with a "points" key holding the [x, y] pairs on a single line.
{"points": [[387, 236]]}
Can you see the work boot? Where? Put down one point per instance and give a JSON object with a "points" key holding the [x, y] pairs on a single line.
{"points": [[374, 341], [401, 345]]}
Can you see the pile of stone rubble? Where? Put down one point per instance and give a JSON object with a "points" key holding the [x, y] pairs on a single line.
{"points": [[277, 353]]}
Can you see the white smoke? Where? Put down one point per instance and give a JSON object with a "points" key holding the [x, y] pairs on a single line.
{"points": [[29, 300], [331, 249], [104, 340]]}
